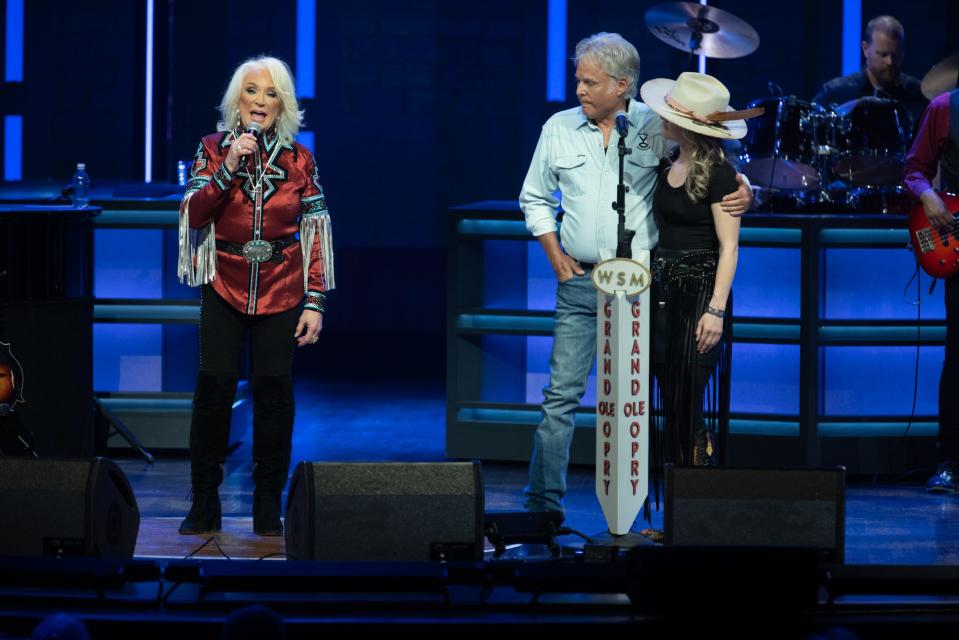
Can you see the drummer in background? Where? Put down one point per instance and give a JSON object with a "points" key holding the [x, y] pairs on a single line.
{"points": [[883, 43]]}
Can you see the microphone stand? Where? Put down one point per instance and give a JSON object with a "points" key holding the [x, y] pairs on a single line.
{"points": [[624, 236]]}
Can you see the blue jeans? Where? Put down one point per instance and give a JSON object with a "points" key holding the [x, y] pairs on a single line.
{"points": [[574, 349]]}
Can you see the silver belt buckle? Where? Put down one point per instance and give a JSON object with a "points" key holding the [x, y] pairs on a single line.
{"points": [[257, 251]]}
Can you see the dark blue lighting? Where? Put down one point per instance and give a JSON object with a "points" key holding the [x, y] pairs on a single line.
{"points": [[504, 259], [129, 263], [13, 148], [541, 280], [879, 380], [306, 49], [870, 284], [851, 35], [504, 368], [129, 357], [767, 283], [13, 72], [14, 39], [306, 138], [765, 379], [556, 51]]}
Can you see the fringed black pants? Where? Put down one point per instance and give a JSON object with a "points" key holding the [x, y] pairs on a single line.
{"points": [[691, 406]]}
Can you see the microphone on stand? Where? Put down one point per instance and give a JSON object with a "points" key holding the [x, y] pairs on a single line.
{"points": [[624, 236], [254, 129], [622, 124]]}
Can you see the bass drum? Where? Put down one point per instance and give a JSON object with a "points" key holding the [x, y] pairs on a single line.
{"points": [[780, 150]]}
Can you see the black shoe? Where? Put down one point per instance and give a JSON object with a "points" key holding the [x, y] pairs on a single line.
{"points": [[205, 514], [944, 480], [266, 514]]}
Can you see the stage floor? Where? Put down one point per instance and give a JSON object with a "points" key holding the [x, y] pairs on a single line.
{"points": [[886, 522]]}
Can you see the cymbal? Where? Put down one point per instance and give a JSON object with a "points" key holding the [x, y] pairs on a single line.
{"points": [[701, 29], [941, 78]]}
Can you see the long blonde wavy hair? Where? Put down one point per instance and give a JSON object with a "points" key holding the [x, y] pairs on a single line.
{"points": [[706, 152]]}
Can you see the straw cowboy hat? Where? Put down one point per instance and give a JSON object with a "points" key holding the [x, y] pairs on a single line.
{"points": [[699, 103]]}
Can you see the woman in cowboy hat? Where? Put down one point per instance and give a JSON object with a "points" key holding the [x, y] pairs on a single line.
{"points": [[694, 266]]}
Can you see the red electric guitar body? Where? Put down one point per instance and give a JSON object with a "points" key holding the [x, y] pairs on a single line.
{"points": [[937, 251]]}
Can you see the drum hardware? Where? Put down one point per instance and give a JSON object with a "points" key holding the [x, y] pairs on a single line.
{"points": [[878, 199]]}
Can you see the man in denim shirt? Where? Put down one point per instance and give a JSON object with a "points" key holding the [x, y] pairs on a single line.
{"points": [[571, 157]]}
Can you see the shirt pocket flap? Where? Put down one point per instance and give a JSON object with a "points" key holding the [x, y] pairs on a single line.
{"points": [[569, 162], [643, 158]]}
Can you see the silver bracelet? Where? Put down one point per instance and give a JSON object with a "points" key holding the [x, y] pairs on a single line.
{"points": [[713, 311]]}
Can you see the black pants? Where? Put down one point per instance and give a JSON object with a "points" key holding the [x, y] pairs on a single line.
{"points": [[949, 380], [682, 373], [223, 332]]}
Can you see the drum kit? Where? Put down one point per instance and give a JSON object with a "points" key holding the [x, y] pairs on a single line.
{"points": [[800, 156], [807, 157]]}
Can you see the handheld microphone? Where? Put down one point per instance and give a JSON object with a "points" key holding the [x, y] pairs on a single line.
{"points": [[622, 124], [254, 129]]}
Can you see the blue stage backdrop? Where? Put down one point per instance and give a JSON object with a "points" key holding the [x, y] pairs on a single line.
{"points": [[415, 106]]}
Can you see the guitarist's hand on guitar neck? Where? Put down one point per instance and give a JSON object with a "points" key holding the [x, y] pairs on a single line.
{"points": [[936, 210]]}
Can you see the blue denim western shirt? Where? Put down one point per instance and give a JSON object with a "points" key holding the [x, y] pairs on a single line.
{"points": [[570, 159]]}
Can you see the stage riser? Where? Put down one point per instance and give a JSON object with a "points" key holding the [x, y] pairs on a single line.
{"points": [[866, 455]]}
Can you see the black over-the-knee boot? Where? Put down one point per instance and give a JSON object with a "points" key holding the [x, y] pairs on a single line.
{"points": [[272, 444], [209, 440]]}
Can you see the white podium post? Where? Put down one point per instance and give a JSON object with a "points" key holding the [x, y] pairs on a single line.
{"points": [[622, 399]]}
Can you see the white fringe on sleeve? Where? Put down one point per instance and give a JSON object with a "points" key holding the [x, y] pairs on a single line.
{"points": [[196, 264], [313, 228]]}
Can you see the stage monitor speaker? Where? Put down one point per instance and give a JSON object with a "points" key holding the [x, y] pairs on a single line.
{"points": [[66, 507], [385, 511], [714, 506]]}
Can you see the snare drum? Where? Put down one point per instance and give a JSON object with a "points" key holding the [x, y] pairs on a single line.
{"points": [[871, 136], [780, 150]]}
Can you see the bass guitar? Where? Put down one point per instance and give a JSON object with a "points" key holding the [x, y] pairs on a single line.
{"points": [[937, 251]]}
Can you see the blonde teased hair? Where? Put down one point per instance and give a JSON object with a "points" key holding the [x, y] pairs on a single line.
{"points": [[290, 118]]}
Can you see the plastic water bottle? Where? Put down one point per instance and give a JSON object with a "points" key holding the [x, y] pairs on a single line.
{"points": [[81, 186], [181, 173]]}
